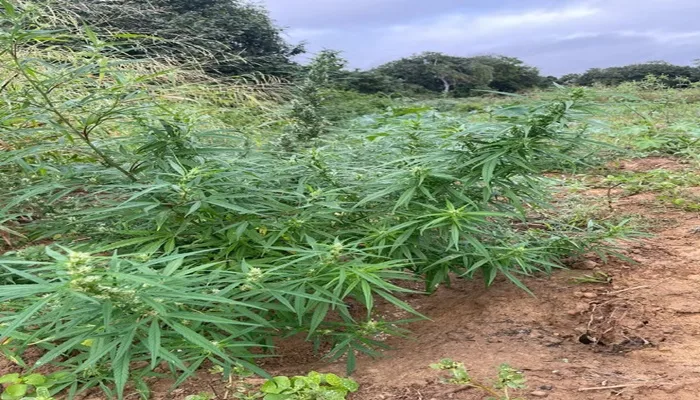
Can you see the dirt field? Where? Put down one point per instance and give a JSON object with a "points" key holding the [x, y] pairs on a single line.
{"points": [[635, 337]]}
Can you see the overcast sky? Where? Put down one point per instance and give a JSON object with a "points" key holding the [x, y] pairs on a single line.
{"points": [[558, 36]]}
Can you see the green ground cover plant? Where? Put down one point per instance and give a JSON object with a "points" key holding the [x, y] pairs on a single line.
{"points": [[314, 386], [33, 386]]}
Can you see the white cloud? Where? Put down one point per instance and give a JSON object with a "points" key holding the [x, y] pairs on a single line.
{"points": [[575, 36], [533, 19], [298, 34], [453, 27], [669, 38], [658, 36], [320, 11]]}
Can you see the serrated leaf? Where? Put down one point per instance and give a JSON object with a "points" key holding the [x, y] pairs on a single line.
{"points": [[121, 366], [120, 370], [318, 316], [351, 362], [169, 246], [198, 340], [154, 338], [195, 206], [177, 167], [23, 317]]}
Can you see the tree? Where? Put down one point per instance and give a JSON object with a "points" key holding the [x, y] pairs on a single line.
{"points": [[671, 75], [223, 36], [369, 82], [438, 72], [446, 69], [548, 81], [461, 76], [569, 79], [510, 74]]}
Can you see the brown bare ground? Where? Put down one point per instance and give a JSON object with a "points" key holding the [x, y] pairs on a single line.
{"points": [[651, 163]]}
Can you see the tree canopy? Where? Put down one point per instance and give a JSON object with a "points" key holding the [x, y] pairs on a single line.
{"points": [[672, 75], [223, 36], [438, 72]]}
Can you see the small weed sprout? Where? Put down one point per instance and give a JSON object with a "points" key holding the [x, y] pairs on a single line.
{"points": [[508, 379]]}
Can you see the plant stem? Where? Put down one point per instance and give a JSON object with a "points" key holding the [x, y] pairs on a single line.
{"points": [[81, 133]]}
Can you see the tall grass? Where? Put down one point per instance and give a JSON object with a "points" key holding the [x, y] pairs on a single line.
{"points": [[151, 231]]}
